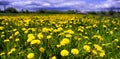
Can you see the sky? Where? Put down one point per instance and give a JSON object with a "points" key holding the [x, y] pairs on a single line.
{"points": [[81, 5]]}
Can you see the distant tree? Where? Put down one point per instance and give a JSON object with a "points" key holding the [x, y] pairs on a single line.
{"points": [[111, 12], [41, 11], [92, 12], [70, 12], [22, 11], [27, 11], [54, 12], [11, 10]]}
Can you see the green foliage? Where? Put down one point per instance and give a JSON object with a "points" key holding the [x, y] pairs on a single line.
{"points": [[10, 10]]}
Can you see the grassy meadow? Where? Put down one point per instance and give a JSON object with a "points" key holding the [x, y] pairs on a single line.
{"points": [[59, 36]]}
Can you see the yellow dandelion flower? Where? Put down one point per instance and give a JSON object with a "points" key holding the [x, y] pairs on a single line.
{"points": [[12, 50], [86, 48], [94, 52], [102, 54], [60, 29], [14, 29], [40, 35], [64, 53], [30, 56], [29, 39], [65, 41], [17, 33], [58, 46], [1, 27], [49, 36], [10, 37], [9, 53], [45, 29], [68, 35], [17, 39], [75, 51], [2, 36], [70, 31], [42, 49], [97, 47], [116, 40], [111, 32], [24, 29], [35, 42], [3, 53], [6, 40], [54, 57]]}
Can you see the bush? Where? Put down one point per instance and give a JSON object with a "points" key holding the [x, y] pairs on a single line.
{"points": [[11, 10]]}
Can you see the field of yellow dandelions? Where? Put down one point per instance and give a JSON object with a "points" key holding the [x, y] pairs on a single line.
{"points": [[59, 36]]}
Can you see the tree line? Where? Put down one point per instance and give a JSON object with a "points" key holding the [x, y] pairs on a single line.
{"points": [[13, 10]]}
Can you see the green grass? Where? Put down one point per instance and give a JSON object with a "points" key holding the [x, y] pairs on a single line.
{"points": [[81, 28]]}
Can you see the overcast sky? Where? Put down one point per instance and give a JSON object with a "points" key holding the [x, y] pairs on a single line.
{"points": [[83, 5]]}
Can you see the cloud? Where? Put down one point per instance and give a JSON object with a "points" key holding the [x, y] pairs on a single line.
{"points": [[86, 5]]}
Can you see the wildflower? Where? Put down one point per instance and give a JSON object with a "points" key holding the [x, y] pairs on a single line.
{"points": [[35, 42], [40, 35], [58, 46], [42, 49], [26, 31], [17, 39], [30, 56], [86, 37], [23, 29], [64, 53], [54, 57], [102, 54], [65, 41], [111, 32], [2, 53], [1, 27], [104, 26], [98, 47], [9, 53], [45, 29], [80, 29], [60, 29], [33, 29], [70, 31], [75, 51], [98, 36], [111, 58], [13, 49], [14, 29], [10, 37], [16, 33], [118, 47], [49, 36], [116, 40], [86, 48], [89, 42], [2, 36], [94, 52], [6, 40], [30, 37], [3, 32], [79, 39], [68, 35]]}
